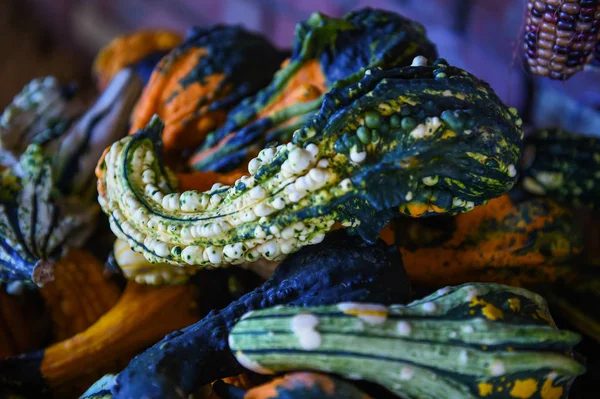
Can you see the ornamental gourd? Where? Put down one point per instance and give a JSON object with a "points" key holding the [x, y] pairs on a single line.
{"points": [[194, 85], [342, 268], [40, 113], [79, 294], [469, 341], [327, 52], [507, 241], [417, 141], [140, 318], [140, 50], [295, 386], [563, 166], [36, 226]]}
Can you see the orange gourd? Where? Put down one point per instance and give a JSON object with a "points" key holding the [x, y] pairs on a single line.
{"points": [[505, 241]]}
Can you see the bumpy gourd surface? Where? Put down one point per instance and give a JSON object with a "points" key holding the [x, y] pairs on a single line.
{"points": [[416, 141], [474, 340], [326, 52], [563, 166]]}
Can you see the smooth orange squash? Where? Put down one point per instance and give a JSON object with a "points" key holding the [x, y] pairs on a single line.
{"points": [[129, 49], [79, 295], [142, 316], [178, 104]]}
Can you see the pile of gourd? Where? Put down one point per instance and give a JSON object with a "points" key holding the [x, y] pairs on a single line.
{"points": [[343, 179]]}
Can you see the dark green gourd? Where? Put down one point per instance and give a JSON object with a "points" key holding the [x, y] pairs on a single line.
{"points": [[342, 268], [563, 166], [326, 53], [445, 144], [469, 341]]}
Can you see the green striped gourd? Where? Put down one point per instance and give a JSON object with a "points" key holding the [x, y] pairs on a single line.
{"points": [[469, 341], [563, 166], [417, 141]]}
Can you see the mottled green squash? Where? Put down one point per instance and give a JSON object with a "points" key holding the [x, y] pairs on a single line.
{"points": [[470, 341], [507, 241], [294, 386], [327, 53], [563, 166], [444, 143]]}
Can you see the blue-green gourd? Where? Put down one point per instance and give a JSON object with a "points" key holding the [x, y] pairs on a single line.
{"points": [[468, 341], [563, 166]]}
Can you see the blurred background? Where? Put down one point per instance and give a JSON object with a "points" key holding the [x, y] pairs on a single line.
{"points": [[61, 37]]}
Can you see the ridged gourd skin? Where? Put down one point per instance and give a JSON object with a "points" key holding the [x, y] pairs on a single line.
{"points": [[563, 166], [140, 50], [468, 341], [142, 316], [40, 113], [342, 268], [48, 196], [326, 53], [508, 241], [300, 385], [439, 141], [36, 226], [196, 83]]}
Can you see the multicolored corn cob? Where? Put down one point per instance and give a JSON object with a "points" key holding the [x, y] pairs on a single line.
{"points": [[560, 36]]}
